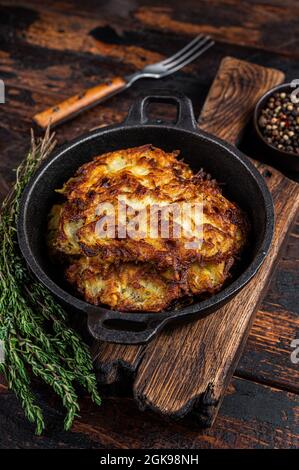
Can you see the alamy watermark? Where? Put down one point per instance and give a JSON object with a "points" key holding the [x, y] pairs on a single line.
{"points": [[295, 354], [1, 352], [2, 92], [159, 220], [295, 93]]}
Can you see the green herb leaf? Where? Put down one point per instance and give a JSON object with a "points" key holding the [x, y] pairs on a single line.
{"points": [[33, 327]]}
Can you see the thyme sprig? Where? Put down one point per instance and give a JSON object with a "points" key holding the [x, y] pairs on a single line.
{"points": [[33, 327]]}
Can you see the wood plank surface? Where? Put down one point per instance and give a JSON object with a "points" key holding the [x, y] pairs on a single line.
{"points": [[252, 416], [189, 367], [266, 358], [261, 24], [38, 72]]}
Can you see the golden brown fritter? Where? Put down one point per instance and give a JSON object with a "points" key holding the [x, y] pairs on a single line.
{"points": [[145, 272], [126, 286], [140, 287]]}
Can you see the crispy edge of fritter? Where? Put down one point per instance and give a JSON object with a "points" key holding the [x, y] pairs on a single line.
{"points": [[128, 287], [158, 158], [87, 275], [236, 216], [225, 226]]}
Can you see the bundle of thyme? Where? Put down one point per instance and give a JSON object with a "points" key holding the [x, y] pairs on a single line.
{"points": [[33, 327]]}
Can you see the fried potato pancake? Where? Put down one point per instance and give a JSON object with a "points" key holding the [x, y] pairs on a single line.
{"points": [[140, 287], [126, 287], [139, 270]]}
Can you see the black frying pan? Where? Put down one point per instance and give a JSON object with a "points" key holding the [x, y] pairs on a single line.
{"points": [[242, 183]]}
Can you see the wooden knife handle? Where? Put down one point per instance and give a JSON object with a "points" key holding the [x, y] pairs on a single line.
{"points": [[74, 105]]}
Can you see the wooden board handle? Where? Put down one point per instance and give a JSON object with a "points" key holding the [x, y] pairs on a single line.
{"points": [[234, 93], [78, 103], [187, 367]]}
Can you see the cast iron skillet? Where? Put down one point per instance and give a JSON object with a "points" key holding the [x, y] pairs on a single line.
{"points": [[242, 183]]}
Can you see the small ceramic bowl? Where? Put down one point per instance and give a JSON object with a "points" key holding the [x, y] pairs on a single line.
{"points": [[281, 158]]}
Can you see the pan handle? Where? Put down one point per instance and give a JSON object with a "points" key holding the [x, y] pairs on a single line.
{"points": [[121, 327], [185, 117]]}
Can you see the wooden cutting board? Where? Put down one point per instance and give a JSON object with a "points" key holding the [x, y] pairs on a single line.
{"points": [[187, 368]]}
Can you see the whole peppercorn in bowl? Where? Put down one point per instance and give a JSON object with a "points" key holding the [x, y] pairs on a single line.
{"points": [[276, 122]]}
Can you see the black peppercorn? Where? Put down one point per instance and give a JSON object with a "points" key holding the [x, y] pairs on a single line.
{"points": [[279, 122]]}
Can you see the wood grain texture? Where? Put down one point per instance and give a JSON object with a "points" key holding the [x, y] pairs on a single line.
{"points": [[268, 26], [116, 40], [74, 105], [266, 357], [114, 361], [246, 420], [250, 23], [188, 367], [252, 416], [233, 95]]}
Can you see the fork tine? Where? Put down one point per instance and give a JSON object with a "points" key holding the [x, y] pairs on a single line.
{"points": [[189, 53], [189, 59], [182, 51]]}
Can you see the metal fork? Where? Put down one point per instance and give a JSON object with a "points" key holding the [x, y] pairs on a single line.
{"points": [[174, 63], [88, 98]]}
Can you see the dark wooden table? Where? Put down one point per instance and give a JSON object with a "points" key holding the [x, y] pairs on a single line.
{"points": [[49, 50]]}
